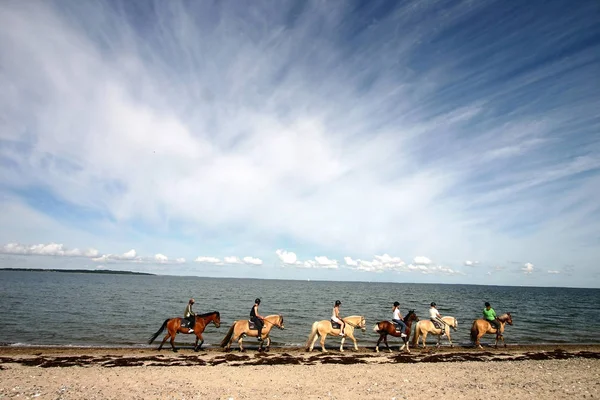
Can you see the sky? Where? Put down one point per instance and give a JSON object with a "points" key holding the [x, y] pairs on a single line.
{"points": [[394, 141]]}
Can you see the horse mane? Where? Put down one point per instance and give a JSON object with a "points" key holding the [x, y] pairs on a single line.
{"points": [[504, 317], [208, 313], [409, 312]]}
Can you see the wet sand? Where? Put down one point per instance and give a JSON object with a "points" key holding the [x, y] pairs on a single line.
{"points": [[560, 371]]}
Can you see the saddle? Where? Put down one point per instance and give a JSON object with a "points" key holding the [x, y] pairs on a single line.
{"points": [[252, 325], [397, 326], [185, 323], [438, 325], [334, 324]]}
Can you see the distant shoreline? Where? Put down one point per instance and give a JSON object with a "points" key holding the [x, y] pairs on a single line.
{"points": [[79, 271]]}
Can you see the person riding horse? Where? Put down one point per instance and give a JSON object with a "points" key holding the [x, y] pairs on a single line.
{"points": [[397, 319], [335, 316], [436, 318], [190, 315], [257, 318], [490, 316]]}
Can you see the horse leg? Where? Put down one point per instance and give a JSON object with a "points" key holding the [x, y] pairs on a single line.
{"points": [[503, 342], [312, 344], [342, 343], [173, 343], [379, 341], [450, 339], [424, 338], [386, 344], [323, 349], [240, 340], [356, 344], [477, 342], [268, 347], [196, 345], [164, 340]]}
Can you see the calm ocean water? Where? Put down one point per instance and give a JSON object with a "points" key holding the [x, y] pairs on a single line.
{"points": [[51, 308]]}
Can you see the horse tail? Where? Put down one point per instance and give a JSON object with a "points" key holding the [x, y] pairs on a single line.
{"points": [[415, 341], [158, 332], [313, 332], [228, 336], [474, 332]]}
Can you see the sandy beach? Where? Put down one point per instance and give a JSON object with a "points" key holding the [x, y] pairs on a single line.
{"points": [[520, 372]]}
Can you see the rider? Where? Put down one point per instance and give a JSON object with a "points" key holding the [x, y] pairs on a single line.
{"points": [[335, 316], [435, 316], [190, 315], [397, 319], [257, 318], [490, 316]]}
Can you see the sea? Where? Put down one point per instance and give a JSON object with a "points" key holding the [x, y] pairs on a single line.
{"points": [[104, 310]]}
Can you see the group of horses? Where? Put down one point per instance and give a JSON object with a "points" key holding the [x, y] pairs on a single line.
{"points": [[241, 329]]}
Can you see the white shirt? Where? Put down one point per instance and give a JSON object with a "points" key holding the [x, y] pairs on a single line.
{"points": [[397, 314], [433, 313]]}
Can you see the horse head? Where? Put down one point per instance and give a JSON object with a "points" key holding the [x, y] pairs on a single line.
{"points": [[363, 324], [507, 318], [411, 316], [280, 326], [217, 319]]}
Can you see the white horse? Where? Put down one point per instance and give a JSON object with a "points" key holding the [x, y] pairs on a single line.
{"points": [[324, 328], [424, 327]]}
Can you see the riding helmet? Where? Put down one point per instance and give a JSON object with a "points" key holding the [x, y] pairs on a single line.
{"points": [[337, 302], [487, 304], [396, 304], [433, 304], [257, 301]]}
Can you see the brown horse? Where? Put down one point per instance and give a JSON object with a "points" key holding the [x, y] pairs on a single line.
{"points": [[481, 327], [174, 327], [324, 328], [241, 328], [385, 328], [426, 326]]}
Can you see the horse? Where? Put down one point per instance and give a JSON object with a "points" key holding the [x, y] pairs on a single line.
{"points": [[426, 326], [173, 326], [324, 328], [241, 328], [481, 327], [385, 328]]}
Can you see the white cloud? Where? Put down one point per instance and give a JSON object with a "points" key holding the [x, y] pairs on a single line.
{"points": [[326, 262], [349, 261], [553, 272], [232, 260], [471, 263], [287, 257], [50, 249], [130, 255], [421, 260], [180, 260], [253, 260], [161, 258], [207, 260], [527, 268]]}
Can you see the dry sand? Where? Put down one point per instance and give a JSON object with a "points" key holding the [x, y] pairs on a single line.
{"points": [[517, 372]]}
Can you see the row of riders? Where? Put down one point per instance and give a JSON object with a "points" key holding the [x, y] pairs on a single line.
{"points": [[259, 326]]}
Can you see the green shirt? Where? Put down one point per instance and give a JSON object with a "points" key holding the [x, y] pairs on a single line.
{"points": [[490, 314]]}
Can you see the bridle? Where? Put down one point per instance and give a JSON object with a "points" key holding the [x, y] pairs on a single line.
{"points": [[273, 323]]}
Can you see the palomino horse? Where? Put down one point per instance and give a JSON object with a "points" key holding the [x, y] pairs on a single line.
{"points": [[241, 328], [426, 326], [385, 328], [481, 327], [324, 328], [173, 326]]}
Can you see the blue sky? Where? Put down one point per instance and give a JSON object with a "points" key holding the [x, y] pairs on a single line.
{"points": [[449, 141]]}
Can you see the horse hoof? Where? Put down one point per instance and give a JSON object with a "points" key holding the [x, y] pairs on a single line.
{"points": [[376, 350], [267, 349]]}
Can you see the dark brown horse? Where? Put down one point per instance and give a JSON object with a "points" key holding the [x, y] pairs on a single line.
{"points": [[173, 326], [385, 328]]}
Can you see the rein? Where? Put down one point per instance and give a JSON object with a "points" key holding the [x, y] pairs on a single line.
{"points": [[273, 323]]}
